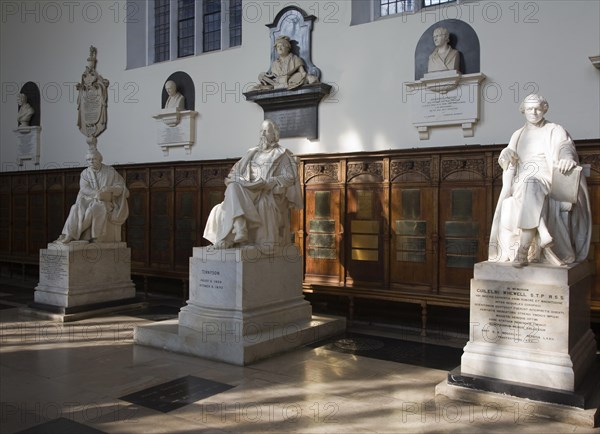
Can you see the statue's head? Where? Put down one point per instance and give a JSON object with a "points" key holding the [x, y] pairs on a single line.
{"points": [[441, 36], [534, 98], [94, 159], [283, 44], [269, 132], [22, 99], [171, 87]]}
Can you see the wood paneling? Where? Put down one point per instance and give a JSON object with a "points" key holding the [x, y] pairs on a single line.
{"points": [[399, 225]]}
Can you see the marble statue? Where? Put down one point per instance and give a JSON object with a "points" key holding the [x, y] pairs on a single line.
{"points": [[443, 57], [287, 71], [175, 101], [261, 187], [101, 203], [25, 111], [539, 162]]}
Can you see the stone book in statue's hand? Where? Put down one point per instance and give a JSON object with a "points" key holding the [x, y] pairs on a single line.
{"points": [[565, 185]]}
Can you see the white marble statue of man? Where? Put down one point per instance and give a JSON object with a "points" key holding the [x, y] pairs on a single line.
{"points": [[443, 57], [25, 111], [287, 71], [175, 101], [102, 199], [261, 187], [528, 219]]}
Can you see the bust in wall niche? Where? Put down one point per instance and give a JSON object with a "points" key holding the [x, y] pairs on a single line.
{"points": [[175, 101], [25, 111], [443, 57]]}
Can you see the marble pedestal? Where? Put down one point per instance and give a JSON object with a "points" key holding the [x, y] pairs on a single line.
{"points": [[245, 305], [530, 337], [83, 279]]}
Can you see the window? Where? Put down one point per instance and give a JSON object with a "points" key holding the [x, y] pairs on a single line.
{"points": [[185, 28], [161, 30], [427, 3], [235, 23], [212, 25], [390, 7]]}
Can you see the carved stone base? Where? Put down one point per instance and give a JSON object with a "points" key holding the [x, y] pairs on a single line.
{"points": [[244, 305], [82, 274]]}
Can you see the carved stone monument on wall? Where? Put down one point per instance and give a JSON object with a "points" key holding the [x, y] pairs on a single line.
{"points": [[530, 333], [176, 122], [28, 131], [92, 101], [446, 90], [246, 299], [290, 91]]}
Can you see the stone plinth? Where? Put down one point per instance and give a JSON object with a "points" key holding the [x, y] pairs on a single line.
{"points": [[81, 277], [530, 325], [245, 304]]}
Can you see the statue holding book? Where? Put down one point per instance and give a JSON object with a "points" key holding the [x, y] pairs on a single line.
{"points": [[543, 212]]}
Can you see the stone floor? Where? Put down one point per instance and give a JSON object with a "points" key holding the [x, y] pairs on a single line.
{"points": [[88, 377]]}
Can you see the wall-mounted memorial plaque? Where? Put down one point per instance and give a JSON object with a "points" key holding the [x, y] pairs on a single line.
{"points": [[290, 91]]}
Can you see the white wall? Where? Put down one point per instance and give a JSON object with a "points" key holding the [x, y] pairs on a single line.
{"points": [[547, 44]]}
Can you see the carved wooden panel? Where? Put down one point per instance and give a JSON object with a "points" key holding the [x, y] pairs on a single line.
{"points": [[37, 221], [187, 177], [5, 219], [186, 230], [214, 175], [411, 170], [459, 168], [161, 232], [161, 177], [137, 178], [364, 171], [317, 173], [137, 226]]}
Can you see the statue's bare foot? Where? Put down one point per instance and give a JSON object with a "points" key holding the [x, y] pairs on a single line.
{"points": [[223, 244], [63, 239]]}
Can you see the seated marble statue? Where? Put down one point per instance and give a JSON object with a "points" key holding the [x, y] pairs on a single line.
{"points": [[175, 101], [101, 205], [25, 111], [261, 187], [287, 71], [529, 220], [443, 57]]}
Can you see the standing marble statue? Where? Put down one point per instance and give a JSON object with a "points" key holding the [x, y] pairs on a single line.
{"points": [[101, 203], [443, 57], [176, 100], [261, 187], [287, 71], [26, 112], [528, 218]]}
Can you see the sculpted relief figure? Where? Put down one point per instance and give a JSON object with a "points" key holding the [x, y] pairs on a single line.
{"points": [[175, 101], [100, 206], [443, 57], [532, 215], [261, 187], [287, 71], [25, 111]]}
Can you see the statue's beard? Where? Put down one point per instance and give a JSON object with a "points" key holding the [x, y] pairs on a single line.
{"points": [[264, 144]]}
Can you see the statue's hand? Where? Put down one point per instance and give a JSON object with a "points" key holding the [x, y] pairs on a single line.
{"points": [[507, 156], [104, 196], [565, 165], [270, 184]]}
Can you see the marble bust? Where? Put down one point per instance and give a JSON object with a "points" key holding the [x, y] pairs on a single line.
{"points": [[175, 101], [287, 71], [443, 57], [261, 187], [101, 205], [531, 223], [26, 111]]}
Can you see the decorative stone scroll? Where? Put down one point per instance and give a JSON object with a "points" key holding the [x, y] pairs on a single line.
{"points": [[290, 91], [92, 101]]}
